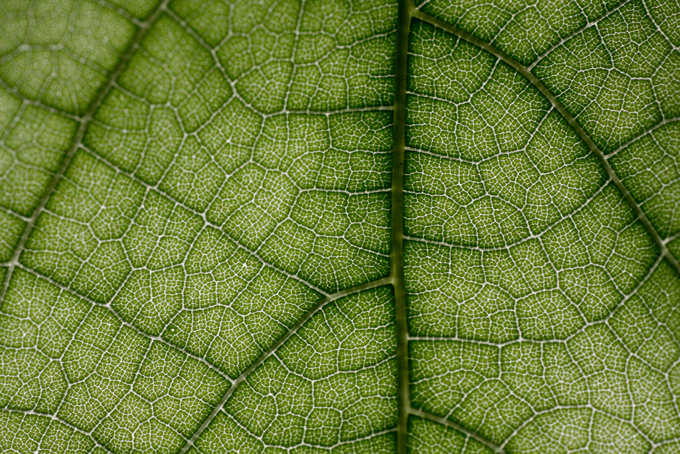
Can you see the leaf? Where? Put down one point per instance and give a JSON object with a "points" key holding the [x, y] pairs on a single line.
{"points": [[340, 227]]}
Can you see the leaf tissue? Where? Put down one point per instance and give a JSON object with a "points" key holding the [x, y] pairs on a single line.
{"points": [[339, 226]]}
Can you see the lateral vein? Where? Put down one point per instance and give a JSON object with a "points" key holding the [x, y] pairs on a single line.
{"points": [[576, 126], [274, 347], [85, 120]]}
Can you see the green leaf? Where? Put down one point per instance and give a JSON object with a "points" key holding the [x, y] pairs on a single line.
{"points": [[330, 226]]}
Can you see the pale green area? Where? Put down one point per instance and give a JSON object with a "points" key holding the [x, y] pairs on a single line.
{"points": [[524, 29], [618, 377], [327, 389], [427, 437], [574, 429], [32, 145], [306, 192], [235, 439], [199, 218], [60, 52], [28, 434], [114, 240], [239, 171], [11, 228], [64, 356]]}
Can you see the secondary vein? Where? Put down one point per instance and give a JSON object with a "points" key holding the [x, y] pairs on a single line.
{"points": [[274, 347], [78, 138], [576, 126]]}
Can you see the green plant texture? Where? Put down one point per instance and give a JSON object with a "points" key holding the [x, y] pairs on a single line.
{"points": [[339, 226]]}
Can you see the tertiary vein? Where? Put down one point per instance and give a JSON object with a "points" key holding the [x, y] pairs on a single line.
{"points": [[59, 421], [206, 222]]}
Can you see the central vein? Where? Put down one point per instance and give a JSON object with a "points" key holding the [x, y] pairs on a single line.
{"points": [[397, 224]]}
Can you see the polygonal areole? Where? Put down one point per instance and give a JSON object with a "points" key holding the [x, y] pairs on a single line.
{"points": [[195, 226]]}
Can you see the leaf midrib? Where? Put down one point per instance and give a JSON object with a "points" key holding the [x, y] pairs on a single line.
{"points": [[406, 12]]}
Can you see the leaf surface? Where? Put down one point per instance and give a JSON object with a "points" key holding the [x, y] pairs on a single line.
{"points": [[339, 227]]}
